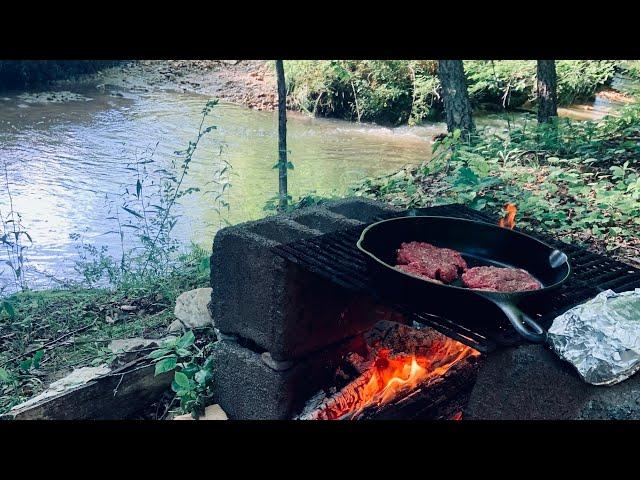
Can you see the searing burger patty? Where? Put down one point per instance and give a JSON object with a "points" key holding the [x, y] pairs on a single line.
{"points": [[417, 269], [498, 279], [428, 261]]}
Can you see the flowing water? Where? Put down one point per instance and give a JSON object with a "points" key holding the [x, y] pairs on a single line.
{"points": [[67, 163]]}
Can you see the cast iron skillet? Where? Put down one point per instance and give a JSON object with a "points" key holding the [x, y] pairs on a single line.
{"points": [[479, 244]]}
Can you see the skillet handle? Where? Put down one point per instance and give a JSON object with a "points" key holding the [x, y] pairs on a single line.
{"points": [[517, 318]]}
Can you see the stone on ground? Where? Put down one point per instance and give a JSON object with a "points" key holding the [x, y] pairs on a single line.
{"points": [[192, 308], [130, 344], [176, 326], [212, 412], [530, 382]]}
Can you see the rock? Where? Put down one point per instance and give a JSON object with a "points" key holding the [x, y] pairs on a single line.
{"points": [[192, 308], [212, 412], [176, 326], [530, 382], [130, 344], [276, 365]]}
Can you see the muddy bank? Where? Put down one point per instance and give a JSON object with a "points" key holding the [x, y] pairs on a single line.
{"points": [[245, 82]]}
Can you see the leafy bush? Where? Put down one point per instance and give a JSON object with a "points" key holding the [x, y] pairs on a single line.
{"points": [[580, 180], [385, 91], [25, 73], [193, 371], [400, 91]]}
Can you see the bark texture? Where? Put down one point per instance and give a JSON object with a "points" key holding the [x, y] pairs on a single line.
{"points": [[547, 86], [456, 99], [282, 135]]}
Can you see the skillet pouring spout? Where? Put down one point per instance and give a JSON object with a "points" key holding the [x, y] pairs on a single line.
{"points": [[480, 244]]}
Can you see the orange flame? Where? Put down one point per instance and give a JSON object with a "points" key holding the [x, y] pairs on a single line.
{"points": [[391, 375], [509, 219]]}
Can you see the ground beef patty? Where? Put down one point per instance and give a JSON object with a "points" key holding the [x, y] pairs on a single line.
{"points": [[417, 269], [498, 279], [428, 261]]}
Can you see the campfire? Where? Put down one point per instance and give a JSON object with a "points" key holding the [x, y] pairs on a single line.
{"points": [[403, 362], [509, 219]]}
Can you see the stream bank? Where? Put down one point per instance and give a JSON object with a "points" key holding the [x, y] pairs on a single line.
{"points": [[250, 83]]}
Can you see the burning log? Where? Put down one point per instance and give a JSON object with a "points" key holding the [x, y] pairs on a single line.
{"points": [[411, 373]]}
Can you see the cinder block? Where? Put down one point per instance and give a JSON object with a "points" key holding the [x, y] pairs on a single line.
{"points": [[247, 388], [361, 209], [322, 219], [284, 309]]}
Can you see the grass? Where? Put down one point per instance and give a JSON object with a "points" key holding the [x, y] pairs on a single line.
{"points": [[73, 327]]}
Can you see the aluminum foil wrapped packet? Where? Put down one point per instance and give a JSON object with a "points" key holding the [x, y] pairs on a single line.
{"points": [[601, 337]]}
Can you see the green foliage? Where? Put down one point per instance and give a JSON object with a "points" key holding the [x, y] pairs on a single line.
{"points": [[578, 179], [50, 314], [193, 376], [15, 241], [367, 90], [146, 279], [407, 91], [23, 73], [309, 200], [631, 68]]}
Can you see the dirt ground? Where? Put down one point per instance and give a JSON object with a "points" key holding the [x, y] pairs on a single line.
{"points": [[246, 82]]}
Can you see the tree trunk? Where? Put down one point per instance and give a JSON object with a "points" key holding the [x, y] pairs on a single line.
{"points": [[282, 136], [547, 85], [456, 99]]}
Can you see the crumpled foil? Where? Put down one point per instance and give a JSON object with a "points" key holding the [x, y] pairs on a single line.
{"points": [[601, 337]]}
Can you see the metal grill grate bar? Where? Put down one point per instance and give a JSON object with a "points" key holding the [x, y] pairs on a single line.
{"points": [[335, 256]]}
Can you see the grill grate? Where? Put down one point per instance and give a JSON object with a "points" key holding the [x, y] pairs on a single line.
{"points": [[335, 256]]}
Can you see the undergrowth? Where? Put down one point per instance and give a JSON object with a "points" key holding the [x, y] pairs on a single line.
{"points": [[408, 91], [579, 180], [45, 334]]}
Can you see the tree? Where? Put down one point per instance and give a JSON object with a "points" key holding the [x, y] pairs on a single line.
{"points": [[454, 93], [547, 86], [282, 136]]}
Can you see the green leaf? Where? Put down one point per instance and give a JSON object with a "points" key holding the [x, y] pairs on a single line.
{"points": [[183, 352], [132, 212], [166, 365], [35, 361], [4, 376], [25, 365], [186, 340], [208, 363], [190, 370], [202, 377], [161, 352], [182, 380], [9, 309]]}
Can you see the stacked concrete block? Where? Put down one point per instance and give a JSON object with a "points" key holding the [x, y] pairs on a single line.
{"points": [[288, 315]]}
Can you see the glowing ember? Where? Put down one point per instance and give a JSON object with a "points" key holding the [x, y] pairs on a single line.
{"points": [[509, 219], [391, 375]]}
